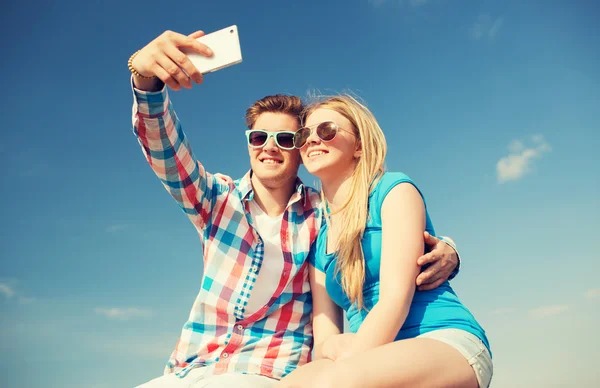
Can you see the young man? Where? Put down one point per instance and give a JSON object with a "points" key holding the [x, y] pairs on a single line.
{"points": [[251, 322]]}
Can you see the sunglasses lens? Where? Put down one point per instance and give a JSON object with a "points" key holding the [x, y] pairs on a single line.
{"points": [[327, 130], [257, 138], [285, 140], [301, 136]]}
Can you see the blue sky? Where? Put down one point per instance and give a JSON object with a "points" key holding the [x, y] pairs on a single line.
{"points": [[492, 107]]}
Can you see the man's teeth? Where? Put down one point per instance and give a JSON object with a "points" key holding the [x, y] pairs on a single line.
{"points": [[315, 153], [271, 161]]}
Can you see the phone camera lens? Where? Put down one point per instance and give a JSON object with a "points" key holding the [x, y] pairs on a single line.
{"points": [[231, 31]]}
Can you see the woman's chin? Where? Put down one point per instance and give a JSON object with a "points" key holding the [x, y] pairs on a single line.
{"points": [[316, 170]]}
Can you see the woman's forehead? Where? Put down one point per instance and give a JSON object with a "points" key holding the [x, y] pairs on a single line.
{"points": [[323, 114]]}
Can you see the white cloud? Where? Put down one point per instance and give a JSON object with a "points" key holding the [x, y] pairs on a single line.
{"points": [[520, 158], [593, 293], [123, 313], [547, 311], [6, 290], [486, 27], [115, 228]]}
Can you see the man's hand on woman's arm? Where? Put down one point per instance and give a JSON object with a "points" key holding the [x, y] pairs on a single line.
{"points": [[442, 259]]}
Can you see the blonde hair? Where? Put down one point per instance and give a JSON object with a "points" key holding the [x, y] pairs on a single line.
{"points": [[355, 211]]}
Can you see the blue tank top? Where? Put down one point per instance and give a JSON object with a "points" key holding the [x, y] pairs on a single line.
{"points": [[429, 310]]}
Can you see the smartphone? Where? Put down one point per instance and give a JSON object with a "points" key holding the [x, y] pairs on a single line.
{"points": [[225, 45]]}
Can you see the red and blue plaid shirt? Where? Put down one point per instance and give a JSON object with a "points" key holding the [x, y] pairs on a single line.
{"points": [[220, 334]]}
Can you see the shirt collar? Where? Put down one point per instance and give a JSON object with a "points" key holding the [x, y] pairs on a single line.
{"points": [[244, 185]]}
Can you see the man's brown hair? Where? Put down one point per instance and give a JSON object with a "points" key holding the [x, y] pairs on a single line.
{"points": [[278, 103]]}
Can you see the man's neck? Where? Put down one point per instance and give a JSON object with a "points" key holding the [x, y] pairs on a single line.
{"points": [[273, 200]]}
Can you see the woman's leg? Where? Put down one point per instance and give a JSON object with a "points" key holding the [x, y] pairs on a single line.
{"points": [[306, 375], [416, 362], [236, 380]]}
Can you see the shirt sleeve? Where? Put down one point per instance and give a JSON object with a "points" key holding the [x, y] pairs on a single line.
{"points": [[388, 181], [170, 156]]}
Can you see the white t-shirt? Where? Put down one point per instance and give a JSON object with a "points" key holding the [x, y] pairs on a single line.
{"points": [[271, 269]]}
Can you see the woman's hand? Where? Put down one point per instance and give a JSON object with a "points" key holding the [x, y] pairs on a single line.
{"points": [[338, 346]]}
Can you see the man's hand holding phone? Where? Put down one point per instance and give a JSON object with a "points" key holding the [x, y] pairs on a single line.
{"points": [[163, 59]]}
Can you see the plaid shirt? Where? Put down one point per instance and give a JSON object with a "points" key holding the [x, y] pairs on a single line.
{"points": [[220, 334]]}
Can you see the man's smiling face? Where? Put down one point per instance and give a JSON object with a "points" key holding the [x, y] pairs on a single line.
{"points": [[272, 165]]}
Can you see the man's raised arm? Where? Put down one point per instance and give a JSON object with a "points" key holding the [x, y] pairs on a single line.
{"points": [[158, 129]]}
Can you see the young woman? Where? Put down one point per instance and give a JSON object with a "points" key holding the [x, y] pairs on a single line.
{"points": [[364, 263]]}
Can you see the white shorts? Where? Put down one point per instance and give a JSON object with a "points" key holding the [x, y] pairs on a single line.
{"points": [[471, 347], [196, 379]]}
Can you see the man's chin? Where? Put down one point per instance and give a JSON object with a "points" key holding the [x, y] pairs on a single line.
{"points": [[269, 175], [273, 176]]}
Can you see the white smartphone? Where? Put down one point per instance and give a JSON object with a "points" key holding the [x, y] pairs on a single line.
{"points": [[225, 45]]}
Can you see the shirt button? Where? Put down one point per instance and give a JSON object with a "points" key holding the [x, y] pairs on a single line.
{"points": [[225, 355], [240, 327], [255, 268]]}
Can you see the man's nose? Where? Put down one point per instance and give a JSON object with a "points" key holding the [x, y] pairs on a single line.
{"points": [[270, 145]]}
